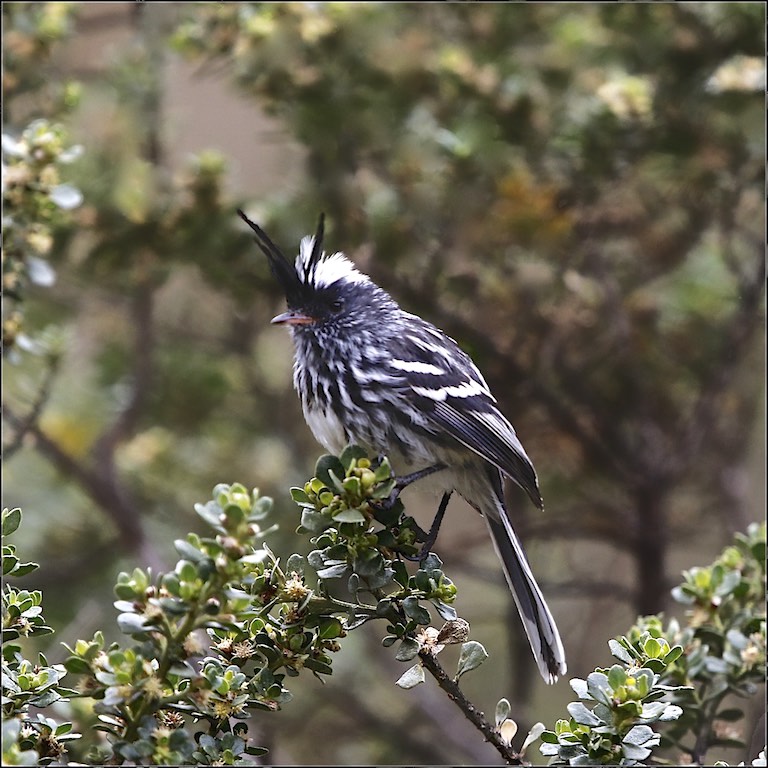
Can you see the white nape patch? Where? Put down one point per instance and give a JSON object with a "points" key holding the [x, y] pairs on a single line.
{"points": [[414, 366], [465, 389], [330, 269]]}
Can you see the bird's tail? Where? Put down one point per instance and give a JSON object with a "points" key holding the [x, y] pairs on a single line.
{"points": [[537, 620]]}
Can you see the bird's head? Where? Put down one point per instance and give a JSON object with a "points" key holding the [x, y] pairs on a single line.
{"points": [[320, 288]]}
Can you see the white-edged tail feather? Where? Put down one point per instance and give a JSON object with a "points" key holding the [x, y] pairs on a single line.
{"points": [[537, 620]]}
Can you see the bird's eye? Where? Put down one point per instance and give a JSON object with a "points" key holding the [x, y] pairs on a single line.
{"points": [[337, 305]]}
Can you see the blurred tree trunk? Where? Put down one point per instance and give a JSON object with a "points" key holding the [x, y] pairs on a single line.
{"points": [[650, 552]]}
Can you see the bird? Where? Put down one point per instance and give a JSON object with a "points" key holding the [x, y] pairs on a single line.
{"points": [[369, 373]]}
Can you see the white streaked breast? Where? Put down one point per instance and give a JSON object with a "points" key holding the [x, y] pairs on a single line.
{"points": [[326, 428]]}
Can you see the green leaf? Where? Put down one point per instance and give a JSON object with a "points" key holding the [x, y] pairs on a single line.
{"points": [[261, 508], [334, 571], [22, 569], [330, 628], [652, 710], [295, 564], [350, 453], [681, 596], [325, 465], [580, 687], [77, 666], [447, 612], [189, 551], [313, 521], [641, 735], [631, 753], [536, 732], [211, 513], [431, 563], [401, 572], [132, 623], [503, 711], [411, 677], [619, 651], [729, 582], [582, 715], [369, 563], [671, 712], [9, 564], [300, 496], [338, 483], [63, 728], [351, 515], [471, 657], [652, 648], [599, 688], [383, 471], [45, 699], [318, 666], [351, 486], [645, 679], [408, 649], [11, 520], [616, 676], [414, 611], [234, 515], [674, 653], [383, 491]]}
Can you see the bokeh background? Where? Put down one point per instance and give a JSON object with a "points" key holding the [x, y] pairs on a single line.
{"points": [[574, 192]]}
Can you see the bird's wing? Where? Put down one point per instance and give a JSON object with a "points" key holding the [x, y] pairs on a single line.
{"points": [[490, 435], [454, 401]]}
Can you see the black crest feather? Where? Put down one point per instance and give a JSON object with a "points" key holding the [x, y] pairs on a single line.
{"points": [[317, 252], [283, 270], [294, 285]]}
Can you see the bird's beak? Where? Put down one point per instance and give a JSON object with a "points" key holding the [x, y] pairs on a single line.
{"points": [[293, 317]]}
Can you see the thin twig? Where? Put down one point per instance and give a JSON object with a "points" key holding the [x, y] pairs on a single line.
{"points": [[102, 488], [43, 395], [474, 715]]}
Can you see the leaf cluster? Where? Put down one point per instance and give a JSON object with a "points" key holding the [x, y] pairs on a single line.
{"points": [[178, 696], [363, 533], [36, 201], [27, 740], [261, 625], [679, 674]]}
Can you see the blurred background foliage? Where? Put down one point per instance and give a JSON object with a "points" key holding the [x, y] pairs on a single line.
{"points": [[574, 192]]}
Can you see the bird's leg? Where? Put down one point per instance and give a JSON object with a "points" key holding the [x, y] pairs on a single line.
{"points": [[431, 537], [403, 482], [406, 480], [429, 542]]}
